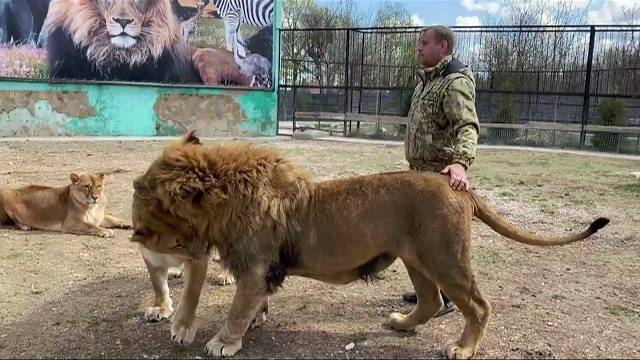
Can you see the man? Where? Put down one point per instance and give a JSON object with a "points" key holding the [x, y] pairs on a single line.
{"points": [[442, 129]]}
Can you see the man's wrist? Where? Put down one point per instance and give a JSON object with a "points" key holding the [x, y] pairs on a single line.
{"points": [[459, 162]]}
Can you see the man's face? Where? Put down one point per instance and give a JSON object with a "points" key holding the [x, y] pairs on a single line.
{"points": [[429, 51]]}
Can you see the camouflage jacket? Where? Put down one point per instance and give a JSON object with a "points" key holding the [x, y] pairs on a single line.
{"points": [[442, 123]]}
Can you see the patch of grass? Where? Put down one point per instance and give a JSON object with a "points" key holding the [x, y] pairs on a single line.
{"points": [[623, 312], [506, 194], [632, 188], [359, 337], [543, 200], [485, 256], [558, 297]]}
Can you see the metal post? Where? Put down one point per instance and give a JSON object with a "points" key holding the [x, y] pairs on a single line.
{"points": [[587, 88], [293, 116], [277, 84], [361, 79], [346, 83]]}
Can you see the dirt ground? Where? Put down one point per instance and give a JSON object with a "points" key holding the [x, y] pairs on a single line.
{"points": [[80, 296]]}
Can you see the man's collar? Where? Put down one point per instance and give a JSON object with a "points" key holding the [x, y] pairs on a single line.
{"points": [[431, 72]]}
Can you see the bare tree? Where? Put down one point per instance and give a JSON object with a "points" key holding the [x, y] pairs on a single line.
{"points": [[292, 41], [534, 60]]}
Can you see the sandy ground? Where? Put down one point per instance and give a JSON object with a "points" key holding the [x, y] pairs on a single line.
{"points": [[80, 296]]}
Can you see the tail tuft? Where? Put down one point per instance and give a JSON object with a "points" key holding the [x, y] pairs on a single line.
{"points": [[598, 224]]}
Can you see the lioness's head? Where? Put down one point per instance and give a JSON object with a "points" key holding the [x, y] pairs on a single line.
{"points": [[88, 189], [117, 31]]}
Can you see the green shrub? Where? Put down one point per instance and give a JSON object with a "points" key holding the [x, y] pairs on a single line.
{"points": [[506, 115], [611, 113]]}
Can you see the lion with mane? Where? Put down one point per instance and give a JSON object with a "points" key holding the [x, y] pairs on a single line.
{"points": [[269, 219], [129, 40]]}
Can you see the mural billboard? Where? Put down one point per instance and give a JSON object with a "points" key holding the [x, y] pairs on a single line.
{"points": [[205, 42]]}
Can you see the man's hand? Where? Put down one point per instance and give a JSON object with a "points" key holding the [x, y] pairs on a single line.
{"points": [[458, 177]]}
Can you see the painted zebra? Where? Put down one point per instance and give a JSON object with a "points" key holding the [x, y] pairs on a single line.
{"points": [[258, 13]]}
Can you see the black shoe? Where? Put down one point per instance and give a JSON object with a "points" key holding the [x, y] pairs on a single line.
{"points": [[446, 308], [410, 297]]}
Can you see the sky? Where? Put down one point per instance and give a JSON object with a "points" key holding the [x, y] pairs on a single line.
{"points": [[473, 12]]}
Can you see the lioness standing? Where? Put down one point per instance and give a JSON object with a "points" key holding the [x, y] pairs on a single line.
{"points": [[78, 208]]}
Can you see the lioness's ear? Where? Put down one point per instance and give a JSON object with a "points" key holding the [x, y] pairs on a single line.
{"points": [[74, 178], [102, 176], [191, 138]]}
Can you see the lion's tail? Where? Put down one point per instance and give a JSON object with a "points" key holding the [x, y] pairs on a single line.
{"points": [[498, 223]]}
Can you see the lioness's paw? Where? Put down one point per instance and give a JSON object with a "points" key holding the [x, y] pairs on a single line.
{"points": [[455, 351], [217, 348], [105, 233], [398, 321], [23, 227], [224, 279], [183, 333], [157, 313]]}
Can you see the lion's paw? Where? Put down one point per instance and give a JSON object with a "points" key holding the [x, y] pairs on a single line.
{"points": [[175, 272], [157, 313], [217, 348], [182, 333], [259, 320], [398, 321], [455, 351], [224, 279]]}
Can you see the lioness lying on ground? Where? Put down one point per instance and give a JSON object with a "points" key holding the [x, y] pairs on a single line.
{"points": [[78, 208], [268, 220]]}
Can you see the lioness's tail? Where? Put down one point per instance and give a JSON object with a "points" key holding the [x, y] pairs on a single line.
{"points": [[498, 223], [4, 217]]}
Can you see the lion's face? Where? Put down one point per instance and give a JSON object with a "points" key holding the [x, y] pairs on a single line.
{"points": [[123, 20], [157, 229], [88, 189]]}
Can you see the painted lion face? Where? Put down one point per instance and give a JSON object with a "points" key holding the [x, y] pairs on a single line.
{"points": [[124, 20], [136, 30]]}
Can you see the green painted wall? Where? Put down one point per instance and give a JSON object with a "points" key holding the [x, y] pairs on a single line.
{"points": [[48, 109]]}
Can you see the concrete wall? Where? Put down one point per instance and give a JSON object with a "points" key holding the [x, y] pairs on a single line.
{"points": [[30, 108], [46, 109]]}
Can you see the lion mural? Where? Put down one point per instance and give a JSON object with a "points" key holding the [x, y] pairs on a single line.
{"points": [[129, 40], [269, 219]]}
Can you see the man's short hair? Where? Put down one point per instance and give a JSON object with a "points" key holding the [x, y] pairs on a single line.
{"points": [[442, 33]]}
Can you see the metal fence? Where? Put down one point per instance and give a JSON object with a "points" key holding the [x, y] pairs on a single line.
{"points": [[566, 86]]}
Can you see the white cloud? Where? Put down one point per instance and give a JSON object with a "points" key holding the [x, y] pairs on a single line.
{"points": [[488, 6], [416, 20], [611, 11], [467, 21]]}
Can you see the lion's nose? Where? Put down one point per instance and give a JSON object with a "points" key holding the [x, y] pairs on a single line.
{"points": [[123, 22], [94, 197]]}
